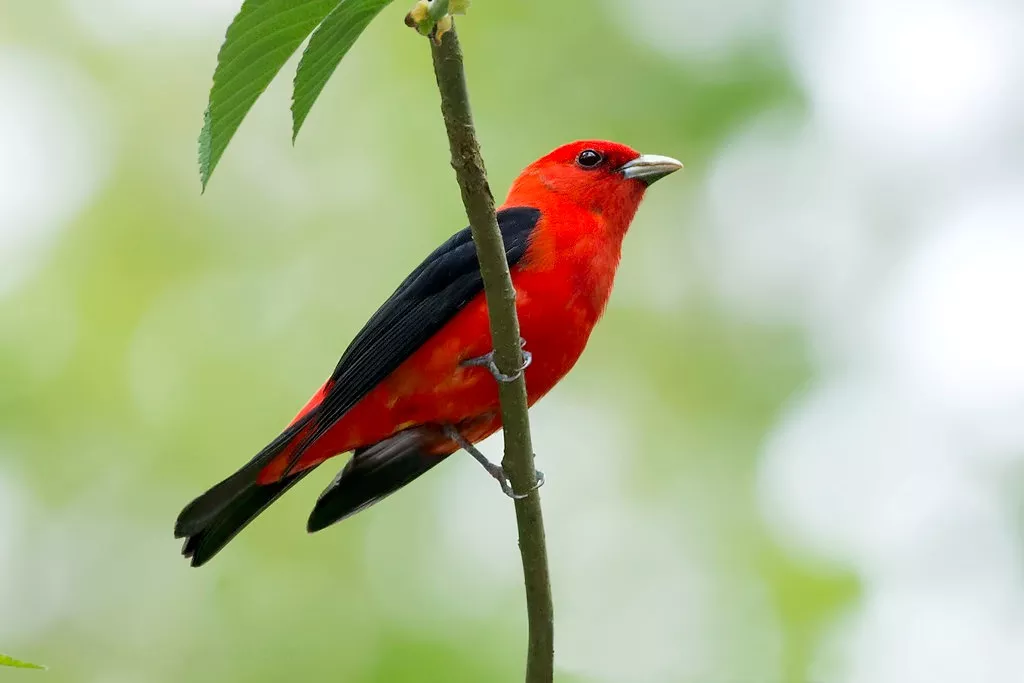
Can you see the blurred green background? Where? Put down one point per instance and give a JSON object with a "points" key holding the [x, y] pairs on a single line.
{"points": [[721, 463]]}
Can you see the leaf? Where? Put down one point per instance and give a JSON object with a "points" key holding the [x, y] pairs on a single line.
{"points": [[261, 38], [18, 664], [330, 42]]}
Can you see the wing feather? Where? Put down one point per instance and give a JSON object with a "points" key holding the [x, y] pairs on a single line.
{"points": [[425, 301]]}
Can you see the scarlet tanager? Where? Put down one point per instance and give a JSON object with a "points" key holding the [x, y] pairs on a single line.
{"points": [[414, 385]]}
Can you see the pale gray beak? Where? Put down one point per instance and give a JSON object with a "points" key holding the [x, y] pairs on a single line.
{"points": [[650, 167]]}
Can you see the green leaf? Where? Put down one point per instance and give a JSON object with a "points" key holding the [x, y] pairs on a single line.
{"points": [[328, 45], [17, 663], [261, 38]]}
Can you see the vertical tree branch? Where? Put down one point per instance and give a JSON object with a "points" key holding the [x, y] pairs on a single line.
{"points": [[501, 298]]}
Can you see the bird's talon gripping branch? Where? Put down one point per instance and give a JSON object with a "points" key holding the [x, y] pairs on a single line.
{"points": [[487, 361], [506, 485], [539, 476], [493, 469]]}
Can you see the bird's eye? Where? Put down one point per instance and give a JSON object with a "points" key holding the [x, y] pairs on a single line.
{"points": [[588, 158]]}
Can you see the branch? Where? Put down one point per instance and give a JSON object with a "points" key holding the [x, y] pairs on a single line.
{"points": [[501, 305]]}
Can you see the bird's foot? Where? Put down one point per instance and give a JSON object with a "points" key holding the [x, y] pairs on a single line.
{"points": [[498, 472], [487, 361], [493, 469]]}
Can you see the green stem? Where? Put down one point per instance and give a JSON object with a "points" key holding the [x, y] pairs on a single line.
{"points": [[501, 304]]}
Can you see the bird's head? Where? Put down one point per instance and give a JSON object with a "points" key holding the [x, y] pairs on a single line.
{"points": [[602, 177]]}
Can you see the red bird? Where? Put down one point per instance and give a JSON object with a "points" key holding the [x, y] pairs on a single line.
{"points": [[414, 385]]}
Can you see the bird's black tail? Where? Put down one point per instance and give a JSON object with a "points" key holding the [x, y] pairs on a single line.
{"points": [[210, 521], [214, 518], [235, 516], [372, 474]]}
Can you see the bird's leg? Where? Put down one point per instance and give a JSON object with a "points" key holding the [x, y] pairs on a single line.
{"points": [[487, 361], [493, 469]]}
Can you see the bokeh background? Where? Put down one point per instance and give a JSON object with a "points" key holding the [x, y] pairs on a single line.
{"points": [[793, 452]]}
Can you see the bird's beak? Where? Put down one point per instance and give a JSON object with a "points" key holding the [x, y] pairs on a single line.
{"points": [[650, 167]]}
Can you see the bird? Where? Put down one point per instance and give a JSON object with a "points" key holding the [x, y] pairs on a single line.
{"points": [[417, 383]]}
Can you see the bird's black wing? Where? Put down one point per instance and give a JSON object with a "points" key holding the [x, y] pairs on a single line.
{"points": [[431, 296]]}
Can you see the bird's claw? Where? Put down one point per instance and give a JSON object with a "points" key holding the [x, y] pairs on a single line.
{"points": [[506, 485], [487, 361], [493, 469]]}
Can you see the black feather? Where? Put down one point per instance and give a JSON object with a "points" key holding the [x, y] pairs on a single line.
{"points": [[235, 516], [372, 474], [198, 514], [425, 301]]}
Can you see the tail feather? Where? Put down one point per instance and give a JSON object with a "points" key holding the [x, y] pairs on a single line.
{"points": [[215, 517], [372, 474], [210, 521], [203, 544]]}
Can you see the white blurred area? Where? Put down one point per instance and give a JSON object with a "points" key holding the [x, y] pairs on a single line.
{"points": [[639, 596], [699, 31], [118, 22], [888, 221], [55, 153]]}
